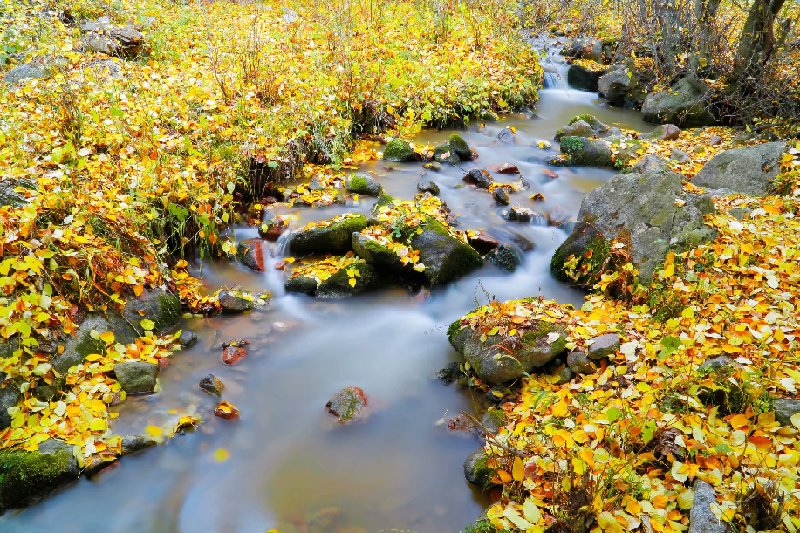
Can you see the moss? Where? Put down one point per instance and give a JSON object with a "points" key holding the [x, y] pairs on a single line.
{"points": [[384, 200], [453, 330], [579, 244], [25, 476], [460, 147], [572, 145], [337, 237], [482, 525], [170, 311], [399, 151], [357, 183]]}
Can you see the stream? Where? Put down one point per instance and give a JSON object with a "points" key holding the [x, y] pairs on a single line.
{"points": [[291, 467]]}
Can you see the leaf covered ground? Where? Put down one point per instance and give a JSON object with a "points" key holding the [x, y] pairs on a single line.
{"points": [[119, 166], [619, 449]]}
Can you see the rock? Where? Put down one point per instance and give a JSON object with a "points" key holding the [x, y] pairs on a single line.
{"points": [[639, 207], [603, 346], [683, 104], [478, 177], [583, 78], [507, 136], [226, 411], [716, 363], [336, 237], [9, 397], [701, 518], [508, 168], [578, 128], [564, 375], [27, 476], [37, 69], [251, 254], [158, 305], [135, 443], [363, 183], [679, 155], [399, 151], [749, 170], [271, 230], [444, 154], [104, 37], [493, 419], [621, 85], [460, 147], [337, 285], [500, 196], [104, 67], [785, 409], [434, 166], [715, 140], [579, 363], [81, 344], [477, 471], [428, 186], [587, 152], [505, 257], [664, 132], [136, 377], [538, 345], [585, 48], [445, 257], [348, 404], [187, 339], [450, 373], [235, 302], [520, 214], [234, 351], [212, 385], [483, 243], [9, 197]]}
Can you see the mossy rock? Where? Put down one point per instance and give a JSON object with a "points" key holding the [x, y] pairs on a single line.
{"points": [[158, 305], [137, 377], [335, 238], [379, 255], [583, 239], [27, 476], [445, 257], [444, 154], [477, 470], [82, 343], [459, 146], [497, 359], [337, 285], [587, 152], [363, 184], [347, 404], [399, 151], [504, 257]]}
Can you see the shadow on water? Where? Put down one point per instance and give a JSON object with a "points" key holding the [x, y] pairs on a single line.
{"points": [[290, 467]]}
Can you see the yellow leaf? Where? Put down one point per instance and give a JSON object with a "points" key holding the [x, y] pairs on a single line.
{"points": [[518, 470], [147, 324], [221, 455], [352, 282], [107, 337], [739, 421], [154, 431]]}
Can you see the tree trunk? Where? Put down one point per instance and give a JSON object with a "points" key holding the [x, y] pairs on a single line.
{"points": [[756, 41]]}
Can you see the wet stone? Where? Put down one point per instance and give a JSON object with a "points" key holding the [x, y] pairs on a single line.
{"points": [[134, 443], [505, 257], [234, 351], [483, 243], [579, 363], [136, 377], [187, 339], [520, 214], [212, 385], [478, 177], [226, 411], [428, 186], [234, 303], [450, 373], [508, 168], [603, 346], [500, 196], [785, 409], [347, 404], [434, 166]]}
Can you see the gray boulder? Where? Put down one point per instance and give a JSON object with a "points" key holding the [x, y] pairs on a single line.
{"points": [[9, 397], [581, 151], [579, 363], [684, 104], [640, 209], [603, 346], [477, 470], [335, 237], [577, 128], [583, 78], [498, 359], [623, 85], [104, 37], [363, 183], [785, 409], [27, 71], [701, 518], [428, 186], [445, 257], [27, 476], [232, 302], [585, 48], [749, 170], [137, 377]]}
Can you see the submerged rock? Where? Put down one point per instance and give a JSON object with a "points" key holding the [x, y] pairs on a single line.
{"points": [[251, 254], [137, 377], [445, 257], [212, 385], [363, 183], [505, 257], [27, 476], [497, 359], [187, 339], [334, 237], [500, 196], [135, 443], [348, 404], [428, 186], [478, 177], [234, 351], [477, 470], [399, 151]]}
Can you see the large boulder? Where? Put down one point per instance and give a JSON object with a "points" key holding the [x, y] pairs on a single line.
{"points": [[445, 257], [399, 151], [497, 358], [640, 210], [684, 104], [337, 285], [624, 85], [585, 75], [749, 170], [584, 152], [104, 37], [333, 236], [27, 476], [37, 69], [363, 183]]}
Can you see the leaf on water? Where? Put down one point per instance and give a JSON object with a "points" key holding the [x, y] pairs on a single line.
{"points": [[221, 455]]}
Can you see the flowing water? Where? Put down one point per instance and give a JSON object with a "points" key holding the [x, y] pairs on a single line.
{"points": [[290, 466]]}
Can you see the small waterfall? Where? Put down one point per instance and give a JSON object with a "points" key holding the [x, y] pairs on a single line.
{"points": [[555, 76]]}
